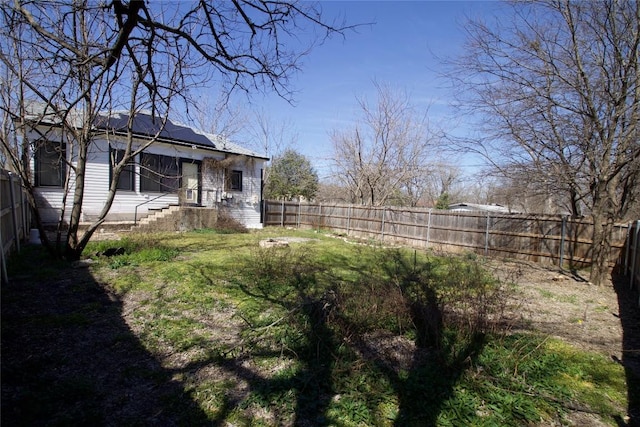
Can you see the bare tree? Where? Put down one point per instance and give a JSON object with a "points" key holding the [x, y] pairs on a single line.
{"points": [[269, 136], [444, 178], [383, 158], [557, 90], [217, 115], [332, 192], [66, 63]]}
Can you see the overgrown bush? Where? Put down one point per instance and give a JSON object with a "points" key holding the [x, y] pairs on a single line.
{"points": [[226, 224], [442, 303]]}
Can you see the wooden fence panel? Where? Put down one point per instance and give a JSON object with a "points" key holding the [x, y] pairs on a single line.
{"points": [[14, 212], [365, 221], [549, 239], [15, 216], [629, 261], [634, 255]]}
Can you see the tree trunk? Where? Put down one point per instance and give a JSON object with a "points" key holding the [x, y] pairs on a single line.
{"points": [[72, 251], [603, 221]]}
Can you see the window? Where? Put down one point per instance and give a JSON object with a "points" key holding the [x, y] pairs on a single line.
{"points": [[159, 173], [50, 164], [125, 180], [234, 181]]}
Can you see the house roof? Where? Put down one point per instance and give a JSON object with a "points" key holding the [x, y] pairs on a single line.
{"points": [[145, 125]]}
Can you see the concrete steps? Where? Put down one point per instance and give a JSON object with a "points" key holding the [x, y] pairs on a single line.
{"points": [[177, 218], [156, 214]]}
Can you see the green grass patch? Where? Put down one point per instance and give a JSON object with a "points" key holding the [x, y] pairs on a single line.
{"points": [[329, 333], [532, 378], [139, 249], [571, 299], [311, 302]]}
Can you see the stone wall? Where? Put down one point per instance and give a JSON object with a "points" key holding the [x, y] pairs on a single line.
{"points": [[185, 219]]}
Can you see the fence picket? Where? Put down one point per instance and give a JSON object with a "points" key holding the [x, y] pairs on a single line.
{"points": [[14, 216], [551, 239]]}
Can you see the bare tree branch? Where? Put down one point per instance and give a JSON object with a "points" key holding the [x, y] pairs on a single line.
{"points": [[77, 62], [557, 92]]}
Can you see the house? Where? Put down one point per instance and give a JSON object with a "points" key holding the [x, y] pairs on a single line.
{"points": [[183, 166], [475, 207]]}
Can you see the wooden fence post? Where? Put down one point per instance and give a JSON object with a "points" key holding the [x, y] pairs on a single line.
{"points": [[428, 226], [348, 219], [5, 276], [299, 213], [14, 217], [382, 230], [635, 255], [282, 214]]}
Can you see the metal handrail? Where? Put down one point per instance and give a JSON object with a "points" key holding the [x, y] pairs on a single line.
{"points": [[135, 211]]}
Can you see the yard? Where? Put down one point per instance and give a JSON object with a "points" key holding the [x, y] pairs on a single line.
{"points": [[208, 328]]}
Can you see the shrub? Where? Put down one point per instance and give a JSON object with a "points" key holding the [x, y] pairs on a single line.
{"points": [[226, 224], [443, 303]]}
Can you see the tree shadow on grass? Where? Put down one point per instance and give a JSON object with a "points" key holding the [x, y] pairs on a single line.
{"points": [[630, 320], [428, 383], [440, 357], [312, 384], [429, 380], [68, 358]]}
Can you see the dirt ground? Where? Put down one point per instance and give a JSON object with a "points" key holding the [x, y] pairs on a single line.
{"points": [[564, 305], [603, 319]]}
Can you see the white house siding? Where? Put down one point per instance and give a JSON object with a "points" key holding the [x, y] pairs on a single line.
{"points": [[49, 202], [125, 202], [50, 199], [244, 205]]}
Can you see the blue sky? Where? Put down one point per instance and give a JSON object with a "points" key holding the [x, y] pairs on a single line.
{"points": [[401, 47]]}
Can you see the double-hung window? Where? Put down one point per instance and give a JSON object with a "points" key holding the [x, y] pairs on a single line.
{"points": [[234, 180], [50, 164], [159, 173], [127, 174]]}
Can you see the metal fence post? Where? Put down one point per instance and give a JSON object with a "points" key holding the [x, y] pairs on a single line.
{"points": [[563, 229], [24, 212], [486, 235], [627, 248]]}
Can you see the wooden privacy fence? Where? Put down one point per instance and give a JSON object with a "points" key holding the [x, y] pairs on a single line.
{"points": [[14, 216], [550, 239], [630, 262]]}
